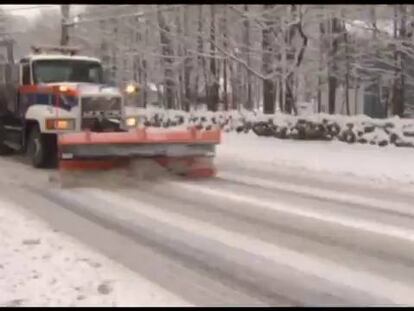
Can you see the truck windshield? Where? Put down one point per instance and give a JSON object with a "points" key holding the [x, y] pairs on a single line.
{"points": [[50, 71]]}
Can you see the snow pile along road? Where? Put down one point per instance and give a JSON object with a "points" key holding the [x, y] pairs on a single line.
{"points": [[312, 143], [366, 161], [40, 267], [321, 127]]}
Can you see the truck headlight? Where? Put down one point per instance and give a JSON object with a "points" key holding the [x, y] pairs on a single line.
{"points": [[131, 89], [63, 88], [131, 122], [60, 124]]}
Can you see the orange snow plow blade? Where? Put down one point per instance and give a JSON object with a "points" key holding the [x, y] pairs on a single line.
{"points": [[184, 152]]}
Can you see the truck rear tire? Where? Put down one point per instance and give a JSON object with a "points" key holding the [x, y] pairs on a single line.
{"points": [[4, 150], [41, 148]]}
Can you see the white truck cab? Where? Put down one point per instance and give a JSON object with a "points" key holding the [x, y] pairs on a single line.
{"points": [[52, 91]]}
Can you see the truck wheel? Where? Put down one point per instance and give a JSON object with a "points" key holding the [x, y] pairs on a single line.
{"points": [[40, 148], [4, 150]]}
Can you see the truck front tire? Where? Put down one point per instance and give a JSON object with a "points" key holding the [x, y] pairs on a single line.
{"points": [[41, 148]]}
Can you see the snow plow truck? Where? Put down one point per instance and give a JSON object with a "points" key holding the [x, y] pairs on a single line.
{"points": [[58, 110]]}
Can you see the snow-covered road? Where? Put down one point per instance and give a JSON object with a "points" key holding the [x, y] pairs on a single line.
{"points": [[250, 236]]}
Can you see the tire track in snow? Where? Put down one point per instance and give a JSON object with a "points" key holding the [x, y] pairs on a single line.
{"points": [[378, 254], [119, 208], [277, 227], [168, 183], [349, 277], [398, 208], [364, 225], [41, 266], [311, 295], [317, 292], [399, 192], [166, 245]]}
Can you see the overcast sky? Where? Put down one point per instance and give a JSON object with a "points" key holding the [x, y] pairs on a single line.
{"points": [[33, 10]]}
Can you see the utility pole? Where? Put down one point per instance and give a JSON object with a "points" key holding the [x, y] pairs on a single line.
{"points": [[65, 9]]}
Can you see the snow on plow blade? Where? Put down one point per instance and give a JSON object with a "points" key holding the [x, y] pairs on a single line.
{"points": [[185, 152]]}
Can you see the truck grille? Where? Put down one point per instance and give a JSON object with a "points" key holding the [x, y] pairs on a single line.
{"points": [[101, 107], [98, 108]]}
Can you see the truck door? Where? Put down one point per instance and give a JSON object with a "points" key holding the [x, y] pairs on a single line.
{"points": [[13, 88], [9, 84], [9, 80], [24, 99], [12, 123]]}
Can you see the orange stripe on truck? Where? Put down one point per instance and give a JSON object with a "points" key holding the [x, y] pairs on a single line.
{"points": [[25, 89], [34, 88]]}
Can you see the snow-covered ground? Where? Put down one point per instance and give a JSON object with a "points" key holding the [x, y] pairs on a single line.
{"points": [[201, 246], [365, 161], [42, 267]]}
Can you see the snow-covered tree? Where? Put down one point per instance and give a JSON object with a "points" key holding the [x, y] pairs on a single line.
{"points": [[272, 57]]}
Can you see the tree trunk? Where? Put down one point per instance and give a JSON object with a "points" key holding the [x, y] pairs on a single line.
{"points": [[348, 112], [332, 83], [356, 95], [269, 87], [281, 94], [199, 57], [398, 86], [187, 64], [321, 50], [332, 68], [403, 38], [213, 99], [179, 94], [145, 92], [290, 57], [290, 101], [246, 39], [136, 70], [114, 60], [234, 94], [65, 10], [319, 95], [167, 52], [377, 78], [225, 62], [145, 67], [225, 87]]}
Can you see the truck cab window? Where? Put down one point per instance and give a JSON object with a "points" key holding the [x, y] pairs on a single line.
{"points": [[48, 71], [26, 74]]}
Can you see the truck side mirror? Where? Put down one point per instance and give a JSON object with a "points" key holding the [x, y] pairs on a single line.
{"points": [[107, 77]]}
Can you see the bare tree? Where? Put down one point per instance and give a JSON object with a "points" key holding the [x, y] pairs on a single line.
{"points": [[258, 53], [269, 86], [167, 52], [188, 66], [347, 70], [334, 28], [65, 10], [213, 98], [225, 61], [246, 41], [398, 87]]}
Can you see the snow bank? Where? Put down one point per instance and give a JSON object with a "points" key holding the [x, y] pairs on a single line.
{"points": [[40, 267], [350, 129], [366, 161]]}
